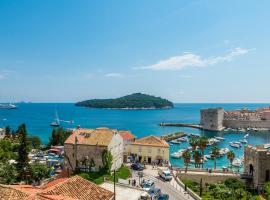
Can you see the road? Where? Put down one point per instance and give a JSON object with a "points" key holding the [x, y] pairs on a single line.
{"points": [[171, 188]]}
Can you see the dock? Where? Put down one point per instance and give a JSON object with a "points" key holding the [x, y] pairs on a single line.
{"points": [[196, 126], [173, 136]]}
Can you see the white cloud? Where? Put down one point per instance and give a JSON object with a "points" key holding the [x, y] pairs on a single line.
{"points": [[5, 73], [114, 75], [187, 60]]}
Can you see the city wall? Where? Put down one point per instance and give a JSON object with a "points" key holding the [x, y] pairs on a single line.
{"points": [[209, 178], [246, 124]]}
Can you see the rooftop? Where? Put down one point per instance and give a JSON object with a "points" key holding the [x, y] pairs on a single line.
{"points": [[151, 141], [74, 188], [126, 135], [99, 136]]}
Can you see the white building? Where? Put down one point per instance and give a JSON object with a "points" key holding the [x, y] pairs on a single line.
{"points": [[85, 147]]}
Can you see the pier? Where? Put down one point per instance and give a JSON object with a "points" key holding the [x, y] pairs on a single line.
{"points": [[173, 136], [197, 126]]}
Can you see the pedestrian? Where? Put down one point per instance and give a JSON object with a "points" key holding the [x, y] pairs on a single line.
{"points": [[134, 182], [129, 181]]}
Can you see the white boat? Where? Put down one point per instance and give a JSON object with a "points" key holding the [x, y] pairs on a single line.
{"points": [[57, 121], [175, 142], [236, 142], [219, 138], [232, 144], [194, 135], [237, 162], [176, 155], [212, 141], [244, 141], [223, 151], [182, 139], [207, 156], [8, 106]]}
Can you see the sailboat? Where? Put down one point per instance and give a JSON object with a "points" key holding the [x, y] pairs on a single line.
{"points": [[57, 121]]}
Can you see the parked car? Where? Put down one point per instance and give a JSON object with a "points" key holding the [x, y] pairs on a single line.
{"points": [[145, 196], [148, 185], [163, 197], [165, 174], [137, 166], [154, 192]]}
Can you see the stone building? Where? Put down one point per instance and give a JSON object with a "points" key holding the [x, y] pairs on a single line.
{"points": [[212, 119], [257, 165], [149, 149], [128, 138], [85, 147]]}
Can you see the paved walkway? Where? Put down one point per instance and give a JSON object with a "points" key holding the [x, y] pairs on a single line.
{"points": [[171, 188]]}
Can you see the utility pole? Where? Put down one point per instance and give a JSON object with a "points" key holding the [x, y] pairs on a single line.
{"points": [[114, 184]]}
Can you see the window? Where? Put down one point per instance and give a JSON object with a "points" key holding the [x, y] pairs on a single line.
{"points": [[140, 149], [158, 151], [149, 150]]}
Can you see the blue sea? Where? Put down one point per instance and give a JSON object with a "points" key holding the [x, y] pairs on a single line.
{"points": [[38, 116]]}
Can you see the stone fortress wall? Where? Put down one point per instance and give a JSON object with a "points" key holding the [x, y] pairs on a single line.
{"points": [[246, 124]]}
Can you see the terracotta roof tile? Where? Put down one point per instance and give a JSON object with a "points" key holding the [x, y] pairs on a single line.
{"points": [[126, 135], [151, 141], [74, 188], [99, 136]]}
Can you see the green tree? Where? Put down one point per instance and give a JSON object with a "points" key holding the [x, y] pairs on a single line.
{"points": [[267, 190], [23, 150], [197, 158], [34, 142], [107, 160], [39, 172], [215, 153], [202, 143], [59, 136], [6, 150], [230, 157], [186, 156], [8, 173], [193, 143], [8, 132]]}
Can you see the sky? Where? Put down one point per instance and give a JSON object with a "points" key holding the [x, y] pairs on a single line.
{"points": [[187, 51]]}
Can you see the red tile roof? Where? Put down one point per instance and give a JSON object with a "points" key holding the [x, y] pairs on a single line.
{"points": [[151, 141], [74, 188], [126, 135]]}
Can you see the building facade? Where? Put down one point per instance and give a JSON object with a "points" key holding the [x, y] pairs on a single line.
{"points": [[128, 138], [257, 165], [84, 149], [149, 149], [212, 119]]}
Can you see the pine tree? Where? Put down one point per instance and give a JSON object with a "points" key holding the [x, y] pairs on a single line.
{"points": [[23, 150]]}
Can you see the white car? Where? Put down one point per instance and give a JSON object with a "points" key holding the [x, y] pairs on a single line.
{"points": [[148, 185]]}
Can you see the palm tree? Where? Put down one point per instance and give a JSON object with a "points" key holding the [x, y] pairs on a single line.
{"points": [[215, 153], [197, 158], [186, 156], [193, 143], [202, 143], [230, 156]]}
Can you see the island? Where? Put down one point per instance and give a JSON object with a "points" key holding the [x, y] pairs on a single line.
{"points": [[133, 101]]}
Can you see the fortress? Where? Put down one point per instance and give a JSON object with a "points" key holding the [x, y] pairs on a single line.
{"points": [[217, 119]]}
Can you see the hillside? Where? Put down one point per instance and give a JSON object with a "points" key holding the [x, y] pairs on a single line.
{"points": [[133, 101]]}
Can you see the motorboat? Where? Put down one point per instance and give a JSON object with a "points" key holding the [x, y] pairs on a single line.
{"points": [[176, 155], [212, 141], [223, 151], [237, 162], [219, 138], [194, 135], [175, 142], [244, 141], [183, 139], [235, 145]]}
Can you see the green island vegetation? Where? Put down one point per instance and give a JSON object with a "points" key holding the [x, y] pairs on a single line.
{"points": [[14, 161], [230, 189], [105, 172], [173, 136], [133, 101]]}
